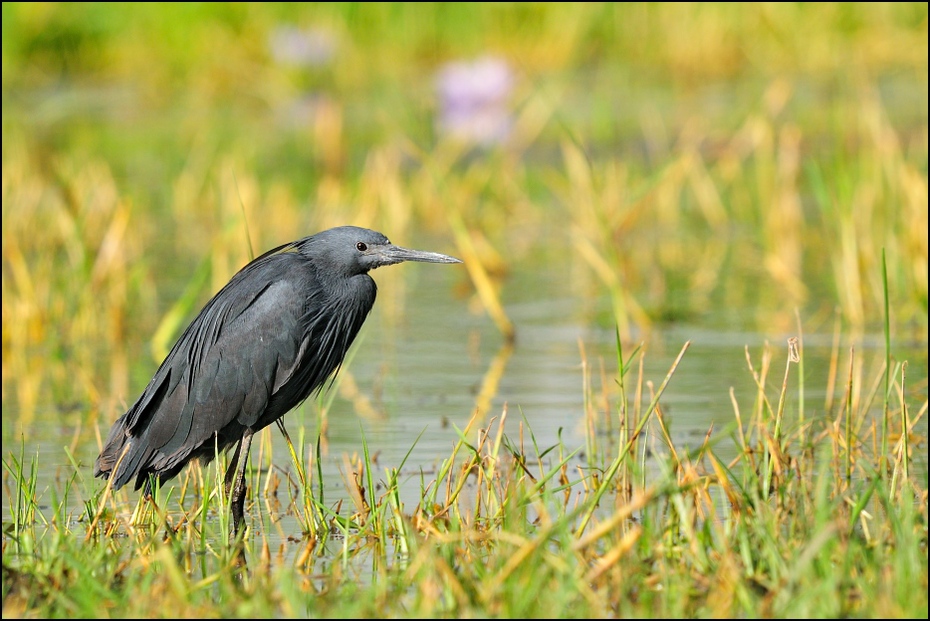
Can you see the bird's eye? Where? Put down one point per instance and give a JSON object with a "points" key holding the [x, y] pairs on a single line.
{"points": [[361, 247]]}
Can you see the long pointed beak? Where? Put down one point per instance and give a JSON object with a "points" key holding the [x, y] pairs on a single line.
{"points": [[391, 254]]}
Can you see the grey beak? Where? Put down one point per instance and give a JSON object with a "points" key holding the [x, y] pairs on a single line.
{"points": [[389, 255]]}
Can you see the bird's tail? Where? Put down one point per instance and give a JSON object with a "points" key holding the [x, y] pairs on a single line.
{"points": [[116, 460]]}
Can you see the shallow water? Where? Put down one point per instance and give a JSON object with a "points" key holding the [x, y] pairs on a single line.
{"points": [[420, 363]]}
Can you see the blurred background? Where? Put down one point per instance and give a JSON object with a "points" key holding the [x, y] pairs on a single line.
{"points": [[728, 174]]}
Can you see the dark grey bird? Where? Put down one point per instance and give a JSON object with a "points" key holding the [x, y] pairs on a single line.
{"points": [[272, 336]]}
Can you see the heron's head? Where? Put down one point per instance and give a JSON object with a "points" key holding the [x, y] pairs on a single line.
{"points": [[350, 250]]}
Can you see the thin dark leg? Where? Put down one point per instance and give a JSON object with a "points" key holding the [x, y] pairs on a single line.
{"points": [[231, 468], [237, 498]]}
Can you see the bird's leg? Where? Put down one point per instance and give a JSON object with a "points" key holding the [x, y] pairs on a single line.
{"points": [[231, 468], [237, 499]]}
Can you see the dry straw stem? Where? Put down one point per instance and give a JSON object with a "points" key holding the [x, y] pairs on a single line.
{"points": [[480, 278]]}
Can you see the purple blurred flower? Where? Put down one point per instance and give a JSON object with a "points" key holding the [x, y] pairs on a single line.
{"points": [[474, 100], [312, 47]]}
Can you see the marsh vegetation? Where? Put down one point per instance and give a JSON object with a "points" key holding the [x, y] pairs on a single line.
{"points": [[683, 372]]}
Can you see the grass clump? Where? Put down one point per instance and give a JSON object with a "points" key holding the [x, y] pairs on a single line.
{"points": [[800, 522]]}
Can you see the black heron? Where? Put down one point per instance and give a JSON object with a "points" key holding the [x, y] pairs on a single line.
{"points": [[271, 337]]}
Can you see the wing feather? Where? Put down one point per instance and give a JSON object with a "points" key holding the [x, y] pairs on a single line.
{"points": [[207, 383]]}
